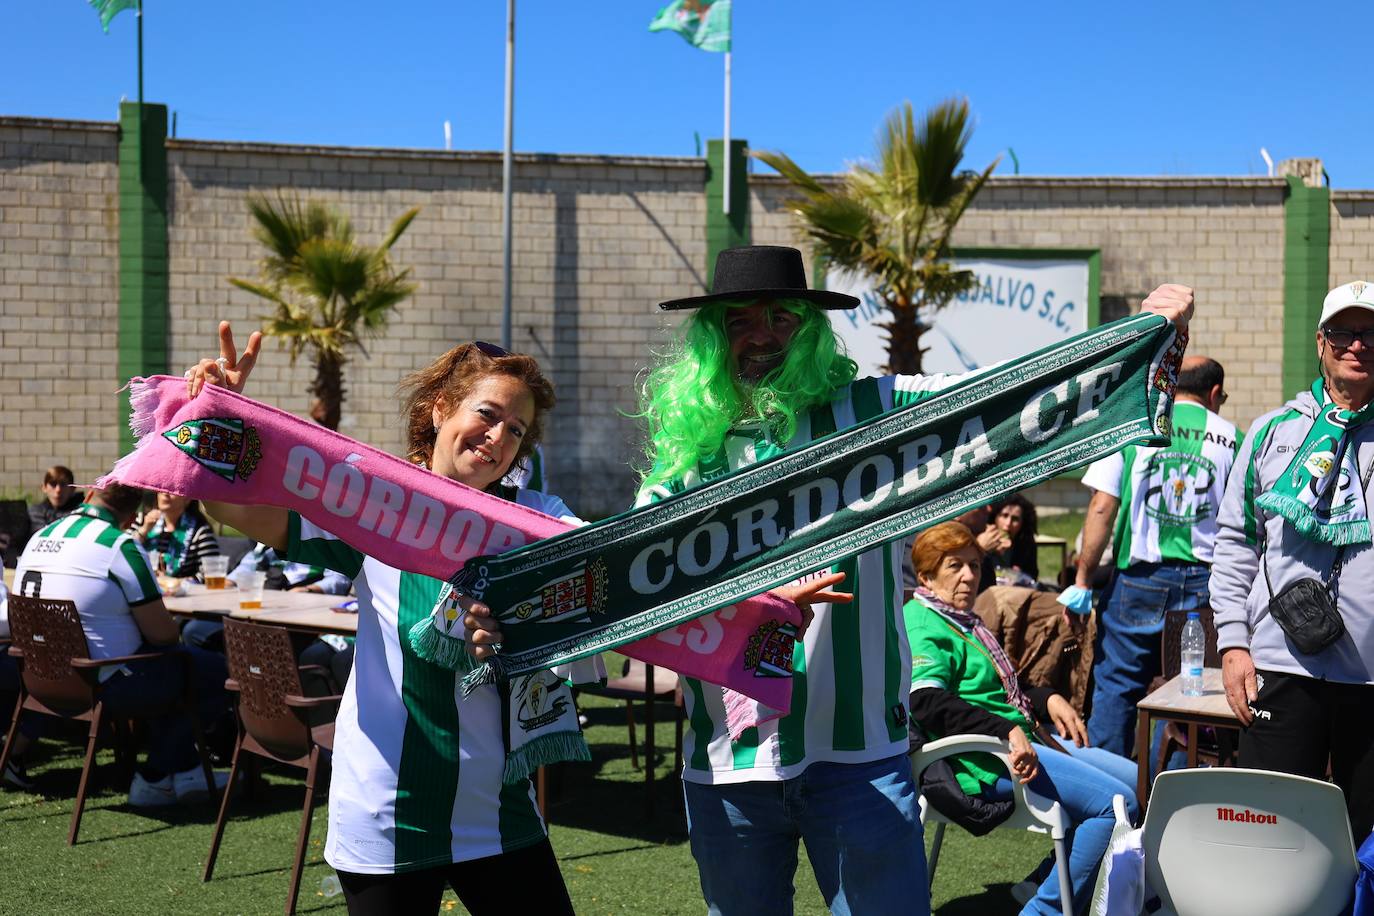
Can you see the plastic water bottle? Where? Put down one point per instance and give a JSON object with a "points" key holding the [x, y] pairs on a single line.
{"points": [[1194, 650], [330, 886]]}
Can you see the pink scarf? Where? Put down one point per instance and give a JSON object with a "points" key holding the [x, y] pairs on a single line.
{"points": [[225, 447]]}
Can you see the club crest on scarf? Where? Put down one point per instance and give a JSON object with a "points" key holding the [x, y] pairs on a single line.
{"points": [[538, 704], [1166, 377], [577, 595], [225, 445], [769, 651]]}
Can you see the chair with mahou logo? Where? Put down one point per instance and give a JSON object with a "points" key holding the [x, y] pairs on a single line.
{"points": [[275, 723], [1234, 842]]}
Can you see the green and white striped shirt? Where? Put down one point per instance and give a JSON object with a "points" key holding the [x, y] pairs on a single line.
{"points": [[84, 558], [417, 765], [1170, 496], [852, 672]]}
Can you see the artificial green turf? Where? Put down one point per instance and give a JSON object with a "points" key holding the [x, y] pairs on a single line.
{"points": [[616, 857]]}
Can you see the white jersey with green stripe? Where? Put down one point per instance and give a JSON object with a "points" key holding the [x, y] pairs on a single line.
{"points": [[852, 672], [417, 765], [1170, 495], [84, 558]]}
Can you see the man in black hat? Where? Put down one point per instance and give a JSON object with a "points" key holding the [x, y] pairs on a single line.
{"points": [[757, 370]]}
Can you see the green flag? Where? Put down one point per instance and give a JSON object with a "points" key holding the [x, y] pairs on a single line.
{"points": [[703, 23], [108, 9]]}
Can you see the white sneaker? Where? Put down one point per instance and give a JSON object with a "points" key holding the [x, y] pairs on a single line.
{"points": [[145, 794], [189, 785], [1024, 892]]}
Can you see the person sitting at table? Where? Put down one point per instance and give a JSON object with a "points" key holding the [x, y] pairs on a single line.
{"points": [[180, 533], [60, 499], [89, 558], [285, 575], [1017, 562], [962, 683]]}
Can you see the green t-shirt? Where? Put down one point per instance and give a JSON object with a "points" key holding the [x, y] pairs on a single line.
{"points": [[945, 655]]}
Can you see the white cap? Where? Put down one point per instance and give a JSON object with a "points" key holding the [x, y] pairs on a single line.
{"points": [[1356, 295]]}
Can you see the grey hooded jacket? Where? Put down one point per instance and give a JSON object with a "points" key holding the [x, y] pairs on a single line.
{"points": [[1240, 596]]}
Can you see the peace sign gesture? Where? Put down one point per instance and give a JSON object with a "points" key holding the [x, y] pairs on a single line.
{"points": [[231, 369]]}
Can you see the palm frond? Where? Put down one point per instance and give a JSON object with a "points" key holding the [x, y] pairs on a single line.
{"points": [[397, 228]]}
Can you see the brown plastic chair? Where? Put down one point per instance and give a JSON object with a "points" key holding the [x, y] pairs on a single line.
{"points": [[274, 723], [647, 684], [1171, 663], [59, 678]]}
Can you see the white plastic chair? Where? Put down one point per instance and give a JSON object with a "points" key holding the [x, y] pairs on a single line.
{"points": [[1032, 812], [1232, 842]]}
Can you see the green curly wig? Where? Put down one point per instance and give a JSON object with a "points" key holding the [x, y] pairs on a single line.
{"points": [[691, 398]]}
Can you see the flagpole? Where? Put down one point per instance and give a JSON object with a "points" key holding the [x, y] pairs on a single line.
{"points": [[140, 56], [506, 176], [729, 159]]}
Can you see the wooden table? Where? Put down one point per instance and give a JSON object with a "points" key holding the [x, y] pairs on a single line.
{"points": [[305, 611], [1169, 703]]}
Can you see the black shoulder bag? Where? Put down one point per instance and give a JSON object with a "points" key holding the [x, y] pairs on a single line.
{"points": [[1306, 610]]}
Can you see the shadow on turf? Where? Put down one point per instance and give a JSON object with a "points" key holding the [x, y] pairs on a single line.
{"points": [[995, 900]]}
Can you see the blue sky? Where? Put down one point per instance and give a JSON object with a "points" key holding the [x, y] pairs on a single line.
{"points": [[1151, 88]]}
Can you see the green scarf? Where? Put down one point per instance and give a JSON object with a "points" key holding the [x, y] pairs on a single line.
{"points": [[1324, 506], [657, 567]]}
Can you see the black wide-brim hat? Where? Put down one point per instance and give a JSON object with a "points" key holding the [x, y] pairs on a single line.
{"points": [[761, 272]]}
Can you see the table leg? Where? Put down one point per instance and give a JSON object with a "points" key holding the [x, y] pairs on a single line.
{"points": [[1142, 753]]}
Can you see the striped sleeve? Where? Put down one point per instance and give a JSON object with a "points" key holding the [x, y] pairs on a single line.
{"points": [[130, 571], [308, 543], [203, 544]]}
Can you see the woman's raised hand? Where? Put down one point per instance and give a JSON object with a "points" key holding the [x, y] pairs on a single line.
{"points": [[231, 370]]}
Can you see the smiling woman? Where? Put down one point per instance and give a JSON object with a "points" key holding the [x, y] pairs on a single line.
{"points": [[402, 824]]}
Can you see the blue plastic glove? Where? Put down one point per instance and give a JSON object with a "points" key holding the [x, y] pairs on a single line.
{"points": [[1079, 600]]}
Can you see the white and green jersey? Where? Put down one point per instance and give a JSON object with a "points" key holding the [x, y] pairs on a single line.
{"points": [[84, 558], [852, 672], [417, 765], [1170, 496]]}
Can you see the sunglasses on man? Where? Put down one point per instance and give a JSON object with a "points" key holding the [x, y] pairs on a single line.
{"points": [[1341, 338]]}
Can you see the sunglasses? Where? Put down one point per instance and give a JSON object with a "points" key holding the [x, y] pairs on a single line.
{"points": [[490, 349], [1343, 339]]}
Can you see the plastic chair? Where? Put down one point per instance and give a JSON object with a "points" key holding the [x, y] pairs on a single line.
{"points": [[647, 684], [274, 723], [57, 677], [1033, 813], [1234, 842]]}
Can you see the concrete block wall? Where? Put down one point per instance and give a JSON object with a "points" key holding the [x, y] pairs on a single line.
{"points": [[58, 296], [599, 240]]}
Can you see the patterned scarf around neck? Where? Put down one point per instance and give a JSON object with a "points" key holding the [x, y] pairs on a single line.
{"points": [[1320, 492], [972, 623]]}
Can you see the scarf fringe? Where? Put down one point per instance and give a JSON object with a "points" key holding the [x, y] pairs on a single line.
{"points": [[432, 645], [142, 408], [491, 671], [554, 747], [1299, 515]]}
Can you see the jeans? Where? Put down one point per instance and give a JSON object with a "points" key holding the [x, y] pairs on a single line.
{"points": [[1127, 653], [1084, 781], [861, 824], [149, 686]]}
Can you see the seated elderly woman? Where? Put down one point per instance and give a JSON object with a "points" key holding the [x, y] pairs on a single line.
{"points": [[963, 683]]}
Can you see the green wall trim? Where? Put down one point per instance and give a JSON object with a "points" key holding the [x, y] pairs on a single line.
{"points": [[143, 273], [1306, 278], [726, 230]]}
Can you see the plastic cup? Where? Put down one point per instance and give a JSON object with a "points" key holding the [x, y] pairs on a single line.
{"points": [[250, 590], [216, 571]]}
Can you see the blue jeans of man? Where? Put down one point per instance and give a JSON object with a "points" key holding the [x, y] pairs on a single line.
{"points": [[1127, 653], [146, 689], [861, 824], [1084, 781]]}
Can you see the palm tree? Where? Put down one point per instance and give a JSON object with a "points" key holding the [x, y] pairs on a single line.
{"points": [[329, 291], [892, 223]]}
